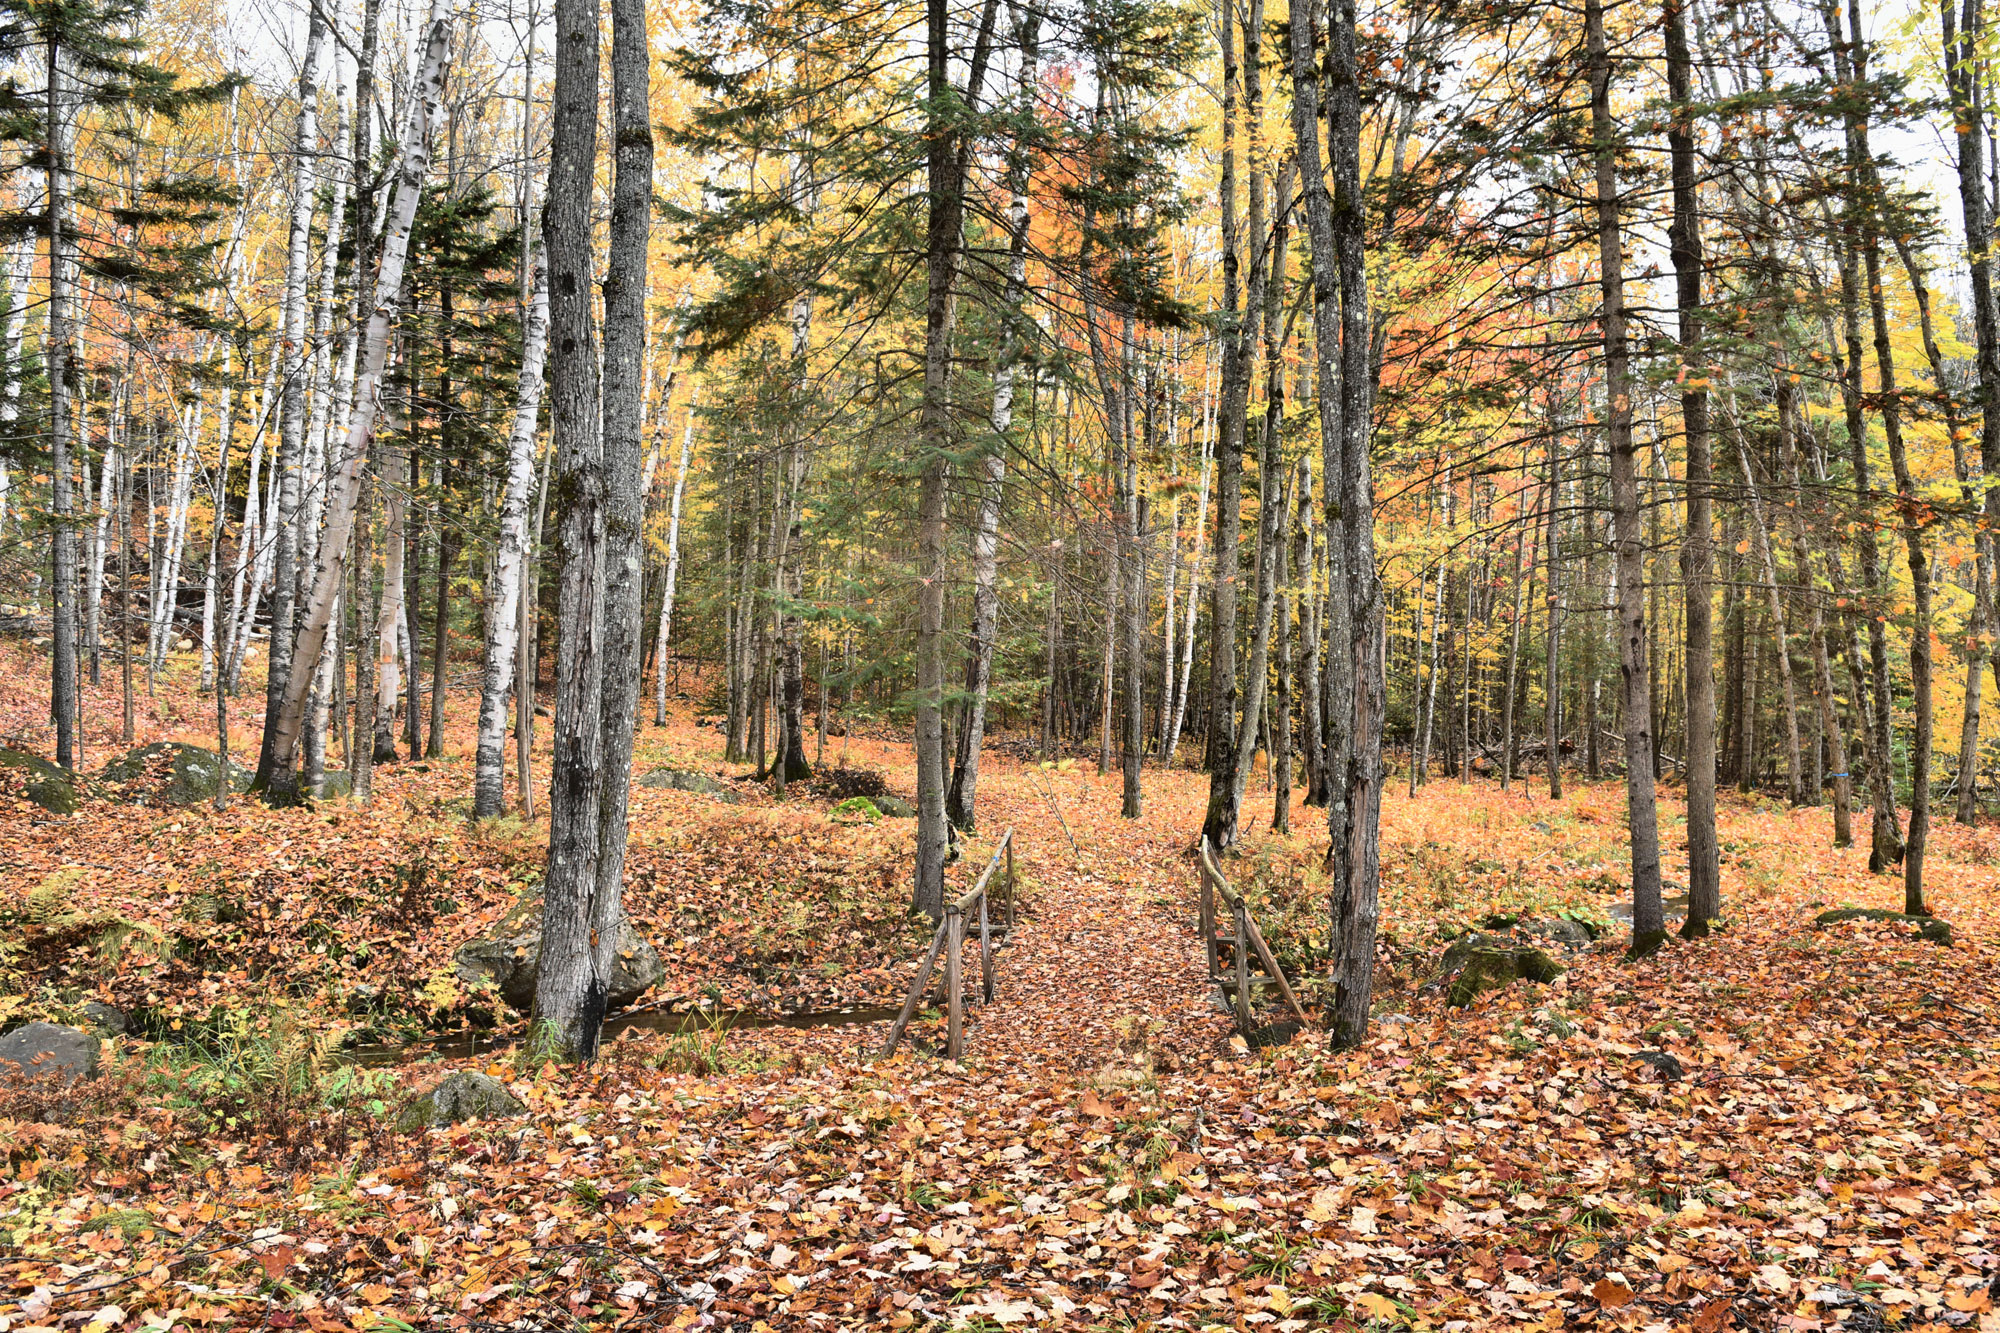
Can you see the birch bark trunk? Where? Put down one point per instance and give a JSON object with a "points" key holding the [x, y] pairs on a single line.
{"points": [[58, 356], [291, 415], [961, 800], [503, 621], [662, 639], [282, 784]]}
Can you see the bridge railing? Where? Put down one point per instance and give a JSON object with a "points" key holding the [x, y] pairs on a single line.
{"points": [[950, 941], [1215, 887]]}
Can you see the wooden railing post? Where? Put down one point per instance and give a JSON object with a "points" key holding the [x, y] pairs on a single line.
{"points": [[1008, 843], [985, 953], [1208, 911], [955, 996], [950, 941], [1242, 952]]}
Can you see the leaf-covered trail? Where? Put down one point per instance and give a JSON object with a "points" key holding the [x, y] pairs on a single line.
{"points": [[1102, 948]]}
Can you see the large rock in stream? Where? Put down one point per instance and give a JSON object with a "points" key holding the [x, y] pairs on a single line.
{"points": [[510, 954]]}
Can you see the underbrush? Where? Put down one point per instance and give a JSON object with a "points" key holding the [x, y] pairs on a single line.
{"points": [[179, 1107]]}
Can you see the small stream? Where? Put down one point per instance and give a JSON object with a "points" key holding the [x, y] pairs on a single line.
{"points": [[678, 1022]]}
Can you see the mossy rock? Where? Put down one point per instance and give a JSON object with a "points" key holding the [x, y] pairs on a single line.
{"points": [[52, 787], [1922, 927], [895, 807], [857, 808], [509, 956], [1569, 933], [458, 1098], [192, 772], [678, 779], [1477, 964]]}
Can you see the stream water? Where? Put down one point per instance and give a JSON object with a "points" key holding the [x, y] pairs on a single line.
{"points": [[679, 1021]]}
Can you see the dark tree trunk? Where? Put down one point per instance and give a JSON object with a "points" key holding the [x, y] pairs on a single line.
{"points": [[1648, 919], [570, 990], [1704, 863]]}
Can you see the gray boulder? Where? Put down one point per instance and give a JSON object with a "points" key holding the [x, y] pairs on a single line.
{"points": [[1559, 930], [47, 1051], [895, 807], [48, 785], [108, 1021], [458, 1098], [333, 784], [191, 778], [1476, 964], [509, 955], [680, 779]]}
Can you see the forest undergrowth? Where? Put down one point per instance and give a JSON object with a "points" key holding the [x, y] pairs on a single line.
{"points": [[1778, 1127]]}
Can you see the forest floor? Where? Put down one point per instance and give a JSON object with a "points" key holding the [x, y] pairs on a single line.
{"points": [[1817, 1153]]}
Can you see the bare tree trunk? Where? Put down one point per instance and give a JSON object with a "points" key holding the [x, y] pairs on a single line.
{"points": [[1113, 577], [661, 640], [528, 666], [1270, 462], [367, 619], [1961, 71], [1908, 509], [1281, 699], [1552, 687], [58, 359], [625, 502], [1761, 536], [1132, 565], [447, 551], [1219, 824], [1509, 688], [1648, 918], [281, 785], [291, 428], [1704, 864], [1335, 226], [503, 619], [1312, 604], [389, 619], [570, 992], [1830, 724], [945, 156], [961, 801]]}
